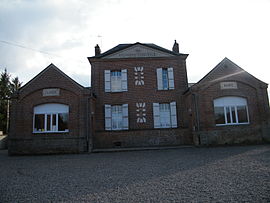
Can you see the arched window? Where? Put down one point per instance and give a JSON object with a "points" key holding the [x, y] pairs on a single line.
{"points": [[231, 111], [50, 118]]}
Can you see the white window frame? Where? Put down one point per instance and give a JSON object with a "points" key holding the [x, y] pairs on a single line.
{"points": [[108, 81], [169, 78], [50, 109], [231, 103], [116, 81], [109, 117], [157, 115]]}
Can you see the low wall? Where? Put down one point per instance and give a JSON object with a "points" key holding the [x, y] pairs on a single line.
{"points": [[142, 138], [234, 135], [46, 145]]}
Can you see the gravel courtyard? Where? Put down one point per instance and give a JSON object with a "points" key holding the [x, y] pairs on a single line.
{"points": [[223, 174]]}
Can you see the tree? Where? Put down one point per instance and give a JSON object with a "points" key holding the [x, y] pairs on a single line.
{"points": [[7, 88], [15, 85]]}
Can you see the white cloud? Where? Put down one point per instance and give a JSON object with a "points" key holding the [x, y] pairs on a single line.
{"points": [[207, 30]]}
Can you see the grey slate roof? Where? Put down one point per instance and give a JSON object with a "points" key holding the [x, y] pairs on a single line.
{"points": [[124, 46]]}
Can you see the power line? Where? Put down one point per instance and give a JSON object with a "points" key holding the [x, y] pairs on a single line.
{"points": [[24, 47], [36, 50]]}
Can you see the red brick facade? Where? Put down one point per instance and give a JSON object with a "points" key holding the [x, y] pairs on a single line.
{"points": [[22, 140], [202, 95], [195, 111], [140, 134]]}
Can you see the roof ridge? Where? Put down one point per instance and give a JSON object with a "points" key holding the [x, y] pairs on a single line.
{"points": [[121, 47], [46, 69]]}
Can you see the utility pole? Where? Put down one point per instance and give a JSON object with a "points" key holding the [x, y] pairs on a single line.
{"points": [[7, 127]]}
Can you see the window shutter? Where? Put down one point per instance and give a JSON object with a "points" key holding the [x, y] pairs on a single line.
{"points": [[124, 79], [173, 114], [159, 79], [125, 116], [156, 115], [108, 117], [171, 78], [107, 80]]}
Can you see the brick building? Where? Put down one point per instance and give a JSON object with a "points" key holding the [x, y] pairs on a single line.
{"points": [[139, 96], [229, 106], [49, 115], [139, 90]]}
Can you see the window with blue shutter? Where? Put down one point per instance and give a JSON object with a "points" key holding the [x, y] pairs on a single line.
{"points": [[165, 79]]}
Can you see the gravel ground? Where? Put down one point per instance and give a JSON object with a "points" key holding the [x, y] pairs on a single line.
{"points": [[223, 174]]}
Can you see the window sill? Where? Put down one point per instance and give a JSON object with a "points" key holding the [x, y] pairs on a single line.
{"points": [[165, 127], [117, 91], [49, 132], [232, 124], [165, 89], [115, 130]]}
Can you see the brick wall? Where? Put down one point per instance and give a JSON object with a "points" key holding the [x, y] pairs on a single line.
{"points": [[147, 93], [22, 140], [208, 89]]}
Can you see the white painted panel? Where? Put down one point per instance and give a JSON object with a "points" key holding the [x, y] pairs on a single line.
{"points": [[51, 108], [156, 115], [125, 116], [171, 78], [108, 117], [228, 85], [107, 80], [159, 79], [124, 79], [173, 114], [230, 101]]}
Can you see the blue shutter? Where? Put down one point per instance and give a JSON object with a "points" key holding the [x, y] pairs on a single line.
{"points": [[156, 115], [125, 116], [124, 80], [107, 80], [159, 79], [108, 117], [173, 114], [171, 78]]}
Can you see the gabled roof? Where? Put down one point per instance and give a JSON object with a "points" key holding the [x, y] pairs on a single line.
{"points": [[121, 47], [51, 66], [226, 62]]}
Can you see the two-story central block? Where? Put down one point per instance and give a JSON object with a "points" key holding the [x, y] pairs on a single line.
{"points": [[139, 96]]}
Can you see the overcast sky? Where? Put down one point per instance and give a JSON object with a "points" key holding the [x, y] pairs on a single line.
{"points": [[64, 32]]}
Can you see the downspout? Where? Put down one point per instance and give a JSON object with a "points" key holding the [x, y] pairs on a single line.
{"points": [[87, 124], [90, 114], [197, 120]]}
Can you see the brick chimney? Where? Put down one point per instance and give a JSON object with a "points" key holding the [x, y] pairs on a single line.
{"points": [[175, 47], [97, 50]]}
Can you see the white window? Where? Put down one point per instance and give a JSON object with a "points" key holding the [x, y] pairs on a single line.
{"points": [[50, 118], [116, 117], [231, 111], [165, 115], [165, 79], [115, 81]]}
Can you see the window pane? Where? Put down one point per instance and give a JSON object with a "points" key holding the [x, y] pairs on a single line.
{"points": [[39, 122], [62, 122], [165, 78], [116, 81], [48, 122], [233, 114], [228, 114], [242, 114], [165, 115], [219, 115], [117, 117], [54, 122]]}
